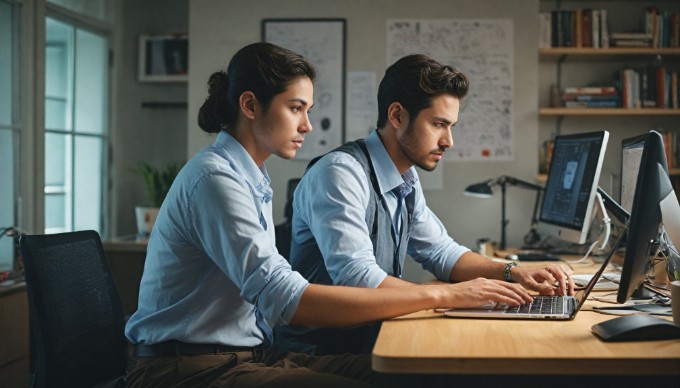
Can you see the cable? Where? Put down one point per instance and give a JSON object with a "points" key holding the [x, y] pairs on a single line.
{"points": [[585, 257]]}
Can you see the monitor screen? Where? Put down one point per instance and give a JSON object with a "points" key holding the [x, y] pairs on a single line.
{"points": [[653, 201], [567, 208]]}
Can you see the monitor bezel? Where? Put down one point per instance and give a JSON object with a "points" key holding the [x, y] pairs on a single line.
{"points": [[568, 232], [645, 214]]}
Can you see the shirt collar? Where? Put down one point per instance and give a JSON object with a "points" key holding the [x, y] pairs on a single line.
{"points": [[257, 177], [389, 177]]}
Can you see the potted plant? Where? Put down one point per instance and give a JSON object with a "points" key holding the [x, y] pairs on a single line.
{"points": [[157, 182]]}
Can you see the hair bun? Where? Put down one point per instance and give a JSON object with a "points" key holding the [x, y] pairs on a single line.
{"points": [[218, 82]]}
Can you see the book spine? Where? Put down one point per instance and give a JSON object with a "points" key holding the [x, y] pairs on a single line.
{"points": [[578, 27], [555, 27], [595, 28], [545, 40], [587, 14], [590, 90], [566, 26], [591, 104], [674, 89], [604, 29], [660, 81]]}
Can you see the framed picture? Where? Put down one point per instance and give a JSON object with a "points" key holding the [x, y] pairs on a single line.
{"points": [[163, 58], [322, 42]]}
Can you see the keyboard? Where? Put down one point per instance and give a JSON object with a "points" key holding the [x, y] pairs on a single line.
{"points": [[540, 305]]}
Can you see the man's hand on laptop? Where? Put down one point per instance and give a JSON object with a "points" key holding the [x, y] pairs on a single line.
{"points": [[548, 280], [476, 292]]}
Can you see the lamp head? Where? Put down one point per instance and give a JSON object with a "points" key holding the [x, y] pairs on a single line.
{"points": [[480, 190]]}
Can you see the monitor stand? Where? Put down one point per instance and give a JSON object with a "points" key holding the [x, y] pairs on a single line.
{"points": [[642, 293]]}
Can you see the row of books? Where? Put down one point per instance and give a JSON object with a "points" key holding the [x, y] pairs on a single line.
{"points": [[662, 28], [577, 28], [649, 87], [590, 28], [646, 87], [591, 97]]}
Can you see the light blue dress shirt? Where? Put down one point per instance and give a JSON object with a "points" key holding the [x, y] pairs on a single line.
{"points": [[330, 205], [212, 264]]}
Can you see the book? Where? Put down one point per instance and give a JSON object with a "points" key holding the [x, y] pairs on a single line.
{"points": [[604, 29], [586, 29], [577, 27], [595, 28], [590, 90], [545, 37], [631, 43], [631, 35], [674, 89], [592, 104]]}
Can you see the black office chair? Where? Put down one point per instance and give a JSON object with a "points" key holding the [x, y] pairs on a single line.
{"points": [[283, 231], [75, 311]]}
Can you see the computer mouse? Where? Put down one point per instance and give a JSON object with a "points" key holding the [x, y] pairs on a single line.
{"points": [[636, 327], [512, 256]]}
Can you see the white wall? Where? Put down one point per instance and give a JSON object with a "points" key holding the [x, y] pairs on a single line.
{"points": [[218, 28], [155, 136]]}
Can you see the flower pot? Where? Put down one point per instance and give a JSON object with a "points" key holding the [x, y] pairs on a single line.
{"points": [[146, 218]]}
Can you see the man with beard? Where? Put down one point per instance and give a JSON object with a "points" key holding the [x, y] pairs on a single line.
{"points": [[359, 209]]}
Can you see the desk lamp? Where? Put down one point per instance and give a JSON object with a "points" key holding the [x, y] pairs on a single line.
{"points": [[483, 190]]}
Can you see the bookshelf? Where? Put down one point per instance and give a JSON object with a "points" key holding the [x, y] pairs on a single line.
{"points": [[608, 111], [568, 63], [581, 52]]}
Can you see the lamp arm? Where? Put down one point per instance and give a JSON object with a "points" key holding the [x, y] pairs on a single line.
{"points": [[520, 183]]}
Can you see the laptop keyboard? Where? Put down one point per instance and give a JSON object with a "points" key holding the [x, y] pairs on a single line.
{"points": [[540, 305]]}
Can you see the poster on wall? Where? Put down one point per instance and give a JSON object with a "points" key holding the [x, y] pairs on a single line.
{"points": [[322, 42], [483, 50]]}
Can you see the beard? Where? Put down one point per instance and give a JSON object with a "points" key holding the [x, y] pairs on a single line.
{"points": [[409, 147]]}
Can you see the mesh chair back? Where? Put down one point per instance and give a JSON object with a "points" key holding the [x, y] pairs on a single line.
{"points": [[76, 313]]}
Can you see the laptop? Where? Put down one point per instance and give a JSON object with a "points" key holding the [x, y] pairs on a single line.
{"points": [[543, 307]]}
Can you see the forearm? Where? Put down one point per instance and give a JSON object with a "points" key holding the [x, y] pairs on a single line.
{"points": [[472, 265], [336, 306], [391, 281]]}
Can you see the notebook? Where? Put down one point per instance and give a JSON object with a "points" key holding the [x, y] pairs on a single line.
{"points": [[543, 307]]}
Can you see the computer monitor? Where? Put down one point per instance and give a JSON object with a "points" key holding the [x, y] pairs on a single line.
{"points": [[653, 205], [571, 188]]}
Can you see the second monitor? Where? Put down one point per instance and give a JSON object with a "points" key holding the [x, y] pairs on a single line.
{"points": [[571, 188]]}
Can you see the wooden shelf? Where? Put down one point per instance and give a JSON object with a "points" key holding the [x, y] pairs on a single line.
{"points": [[604, 52], [608, 111]]}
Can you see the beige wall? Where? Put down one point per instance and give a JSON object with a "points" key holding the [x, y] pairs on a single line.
{"points": [[218, 28]]}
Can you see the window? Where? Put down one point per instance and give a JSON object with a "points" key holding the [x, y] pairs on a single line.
{"points": [[9, 126], [76, 126]]}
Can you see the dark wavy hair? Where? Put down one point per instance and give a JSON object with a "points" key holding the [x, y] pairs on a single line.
{"points": [[262, 68], [414, 80]]}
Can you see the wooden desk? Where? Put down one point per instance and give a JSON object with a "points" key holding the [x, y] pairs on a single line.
{"points": [[427, 342], [126, 257], [14, 336]]}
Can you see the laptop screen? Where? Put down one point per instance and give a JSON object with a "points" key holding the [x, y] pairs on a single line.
{"points": [[581, 295]]}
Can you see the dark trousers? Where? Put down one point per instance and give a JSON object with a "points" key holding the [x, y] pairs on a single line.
{"points": [[244, 369]]}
